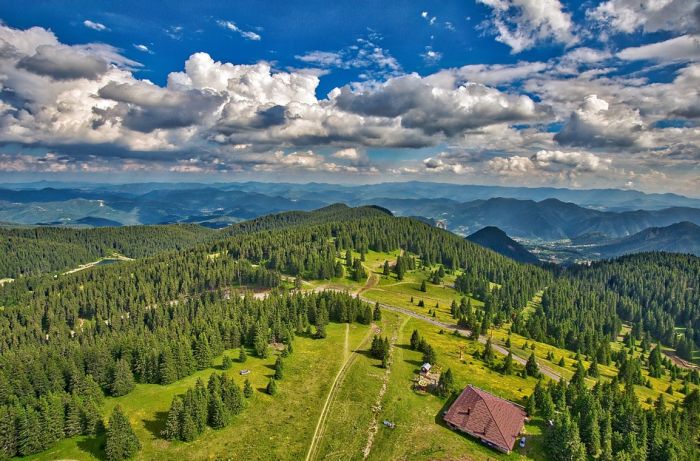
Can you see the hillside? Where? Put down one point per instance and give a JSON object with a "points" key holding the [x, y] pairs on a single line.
{"points": [[683, 237], [36, 250], [140, 334], [495, 239]]}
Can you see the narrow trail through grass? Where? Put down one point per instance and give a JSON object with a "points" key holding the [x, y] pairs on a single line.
{"points": [[350, 357]]}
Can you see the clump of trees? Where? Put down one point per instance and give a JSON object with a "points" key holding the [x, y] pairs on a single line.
{"points": [[213, 405], [608, 423], [380, 349]]}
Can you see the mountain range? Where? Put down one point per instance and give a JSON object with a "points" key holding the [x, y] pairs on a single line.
{"points": [[593, 218]]}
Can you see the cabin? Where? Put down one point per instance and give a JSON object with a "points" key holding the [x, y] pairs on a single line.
{"points": [[425, 368], [496, 422]]}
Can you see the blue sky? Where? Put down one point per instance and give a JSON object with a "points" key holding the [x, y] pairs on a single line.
{"points": [[575, 94]]}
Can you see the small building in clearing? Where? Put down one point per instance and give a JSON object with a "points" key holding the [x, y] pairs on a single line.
{"points": [[496, 422], [425, 368]]}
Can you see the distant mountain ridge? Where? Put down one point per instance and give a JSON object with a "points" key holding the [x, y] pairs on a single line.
{"points": [[495, 239], [683, 237]]}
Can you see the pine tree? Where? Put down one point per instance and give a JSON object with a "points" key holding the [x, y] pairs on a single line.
{"points": [[173, 427], [242, 356], [429, 355], [73, 424], [531, 367], [120, 440], [387, 269], [272, 387], [415, 340], [487, 355], [563, 440], [8, 432], [508, 364], [247, 389], [226, 363], [423, 286], [377, 314], [445, 383], [28, 432], [279, 369], [202, 352], [167, 368], [122, 379], [218, 415]]}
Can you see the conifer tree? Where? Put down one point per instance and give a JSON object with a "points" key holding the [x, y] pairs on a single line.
{"points": [[226, 363], [120, 440], [377, 314], [531, 367], [242, 356], [173, 423], [279, 369], [445, 383], [272, 387], [247, 389], [122, 379], [508, 364], [415, 340]]}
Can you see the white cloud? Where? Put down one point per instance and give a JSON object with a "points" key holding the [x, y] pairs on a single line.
{"points": [[94, 25], [364, 54], [683, 48], [627, 16], [431, 57], [598, 124], [248, 35], [142, 48], [521, 24]]}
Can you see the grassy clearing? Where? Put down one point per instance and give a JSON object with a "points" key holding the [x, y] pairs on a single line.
{"points": [[420, 433], [277, 427], [350, 415]]}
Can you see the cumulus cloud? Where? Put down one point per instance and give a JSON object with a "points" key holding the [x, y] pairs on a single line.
{"points": [[549, 162], [63, 63], [433, 110], [596, 124], [627, 16], [246, 34], [94, 25], [521, 24]]}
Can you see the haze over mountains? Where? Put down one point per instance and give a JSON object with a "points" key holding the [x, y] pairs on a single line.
{"points": [[586, 217]]}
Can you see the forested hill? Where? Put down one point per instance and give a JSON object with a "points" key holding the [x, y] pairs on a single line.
{"points": [[495, 239], [657, 293], [31, 251], [160, 318]]}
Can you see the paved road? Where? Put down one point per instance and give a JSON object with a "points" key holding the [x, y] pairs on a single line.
{"points": [[466, 333]]}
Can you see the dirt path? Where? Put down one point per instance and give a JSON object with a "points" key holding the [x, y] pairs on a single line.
{"points": [[466, 333], [350, 357], [377, 408]]}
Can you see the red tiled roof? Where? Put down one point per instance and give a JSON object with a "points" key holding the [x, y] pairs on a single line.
{"points": [[490, 418]]}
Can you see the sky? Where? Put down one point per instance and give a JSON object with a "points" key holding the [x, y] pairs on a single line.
{"points": [[580, 94]]}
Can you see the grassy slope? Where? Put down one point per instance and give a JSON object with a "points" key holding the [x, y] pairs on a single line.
{"points": [[277, 427]]}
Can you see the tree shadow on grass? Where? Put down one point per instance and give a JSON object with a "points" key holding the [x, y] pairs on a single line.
{"points": [[156, 425], [92, 446], [416, 363], [404, 346]]}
